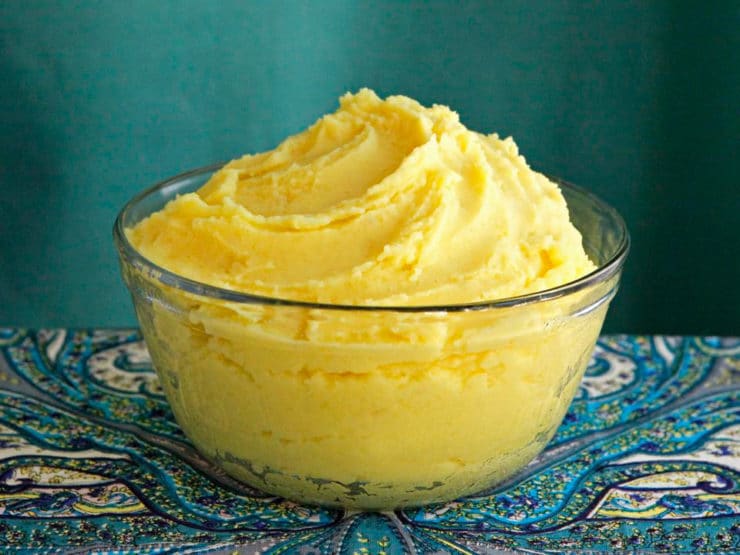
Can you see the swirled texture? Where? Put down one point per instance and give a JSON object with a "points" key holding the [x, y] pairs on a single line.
{"points": [[384, 202]]}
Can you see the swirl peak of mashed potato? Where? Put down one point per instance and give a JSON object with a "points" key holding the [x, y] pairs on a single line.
{"points": [[384, 202]]}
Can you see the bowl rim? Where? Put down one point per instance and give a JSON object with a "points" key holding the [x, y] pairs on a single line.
{"points": [[128, 253]]}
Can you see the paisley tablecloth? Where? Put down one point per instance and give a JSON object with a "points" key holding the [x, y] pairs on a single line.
{"points": [[647, 460]]}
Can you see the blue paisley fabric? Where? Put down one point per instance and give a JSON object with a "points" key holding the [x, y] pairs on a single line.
{"points": [[91, 461]]}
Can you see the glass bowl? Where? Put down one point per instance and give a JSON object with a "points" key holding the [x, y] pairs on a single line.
{"points": [[370, 407]]}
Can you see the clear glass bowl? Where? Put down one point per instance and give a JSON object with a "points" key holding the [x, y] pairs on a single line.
{"points": [[370, 407]]}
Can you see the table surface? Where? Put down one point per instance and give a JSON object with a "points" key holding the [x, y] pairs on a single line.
{"points": [[647, 460]]}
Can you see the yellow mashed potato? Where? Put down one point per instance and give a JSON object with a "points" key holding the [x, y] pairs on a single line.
{"points": [[383, 203]]}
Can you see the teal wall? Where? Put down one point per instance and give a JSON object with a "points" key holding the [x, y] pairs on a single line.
{"points": [[637, 101]]}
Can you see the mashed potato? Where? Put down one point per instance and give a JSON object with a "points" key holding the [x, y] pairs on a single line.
{"points": [[384, 203]]}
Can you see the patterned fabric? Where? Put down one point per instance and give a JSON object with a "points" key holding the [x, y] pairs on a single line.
{"points": [[91, 460]]}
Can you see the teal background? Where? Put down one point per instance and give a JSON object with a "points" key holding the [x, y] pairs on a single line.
{"points": [[637, 101]]}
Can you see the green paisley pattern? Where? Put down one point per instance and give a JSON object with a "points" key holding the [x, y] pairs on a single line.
{"points": [[91, 461]]}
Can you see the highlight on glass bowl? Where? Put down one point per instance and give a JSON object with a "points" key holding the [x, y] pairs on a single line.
{"points": [[387, 310]]}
